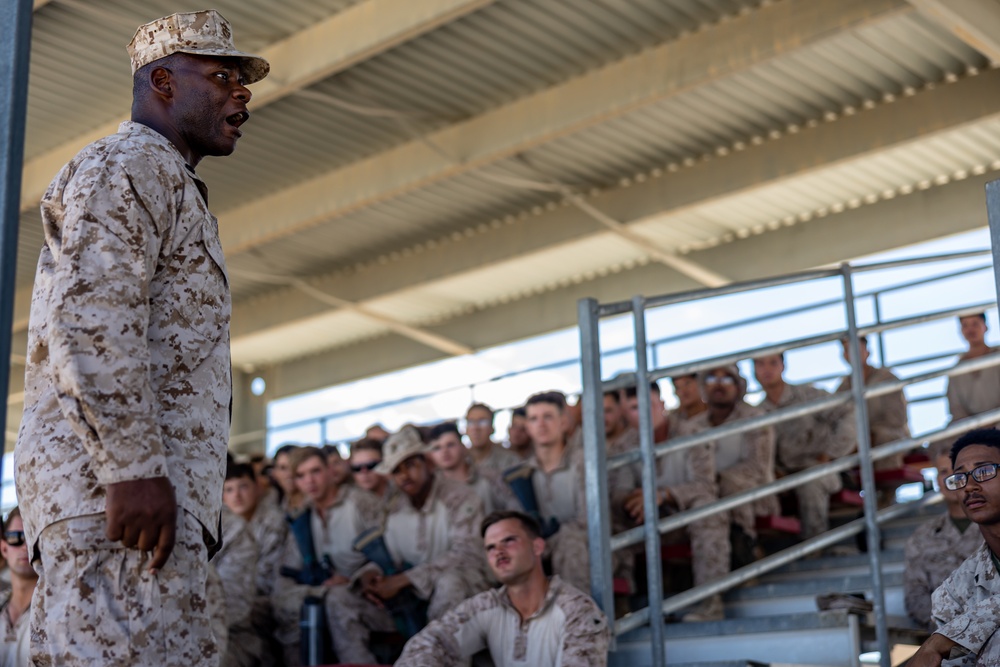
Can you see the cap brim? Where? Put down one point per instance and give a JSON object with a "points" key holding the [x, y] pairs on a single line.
{"points": [[254, 67]]}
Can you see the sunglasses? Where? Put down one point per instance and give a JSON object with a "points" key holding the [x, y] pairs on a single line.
{"points": [[358, 467], [14, 538], [980, 474]]}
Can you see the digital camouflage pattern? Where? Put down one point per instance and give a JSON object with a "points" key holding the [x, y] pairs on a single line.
{"points": [[887, 421], [14, 637], [804, 442], [743, 461], [108, 610], [568, 630], [491, 490], [205, 33], [972, 393], [128, 373], [269, 529], [499, 459], [934, 551], [966, 609], [236, 566]]}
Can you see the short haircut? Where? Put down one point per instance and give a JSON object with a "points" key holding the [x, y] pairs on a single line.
{"points": [[780, 354], [367, 445], [285, 450], [518, 412], [653, 387], [614, 395], [332, 452], [442, 428], [303, 454], [529, 523], [480, 406], [258, 458], [14, 514], [989, 437], [556, 398], [684, 376], [237, 470], [981, 316]]}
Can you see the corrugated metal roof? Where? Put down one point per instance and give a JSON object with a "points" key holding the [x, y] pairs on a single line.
{"points": [[480, 62]]}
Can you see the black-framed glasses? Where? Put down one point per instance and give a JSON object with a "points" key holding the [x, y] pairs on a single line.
{"points": [[14, 538], [371, 465], [958, 480]]}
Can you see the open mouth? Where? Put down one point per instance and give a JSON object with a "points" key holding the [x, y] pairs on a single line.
{"points": [[238, 118]]}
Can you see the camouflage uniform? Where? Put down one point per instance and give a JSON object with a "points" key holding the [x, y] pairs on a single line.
{"points": [[934, 550], [440, 541], [137, 618], [966, 609], [333, 536], [973, 393], [568, 630], [690, 478], [498, 460], [886, 416], [14, 637], [802, 443], [744, 461], [490, 488], [128, 375], [560, 494], [236, 565], [373, 507]]}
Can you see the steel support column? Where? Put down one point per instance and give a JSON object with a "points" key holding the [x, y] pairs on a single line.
{"points": [[874, 533], [15, 52], [993, 212]]}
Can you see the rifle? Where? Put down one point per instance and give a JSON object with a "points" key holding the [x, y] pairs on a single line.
{"points": [[409, 612], [518, 478], [314, 570]]}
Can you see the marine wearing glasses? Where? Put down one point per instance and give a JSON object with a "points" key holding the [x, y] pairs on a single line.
{"points": [[958, 480]]}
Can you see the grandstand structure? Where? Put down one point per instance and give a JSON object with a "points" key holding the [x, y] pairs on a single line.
{"points": [[425, 178]]}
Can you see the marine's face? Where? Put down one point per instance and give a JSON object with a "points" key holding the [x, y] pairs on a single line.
{"points": [[363, 464], [613, 415], [973, 329], [687, 390], [510, 551], [209, 103], [720, 388], [240, 495], [545, 423], [479, 427], [980, 500], [282, 474], [412, 476], [447, 451], [313, 478], [768, 370], [517, 432], [17, 556]]}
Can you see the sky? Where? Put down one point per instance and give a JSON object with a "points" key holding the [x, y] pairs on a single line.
{"points": [[504, 376]]}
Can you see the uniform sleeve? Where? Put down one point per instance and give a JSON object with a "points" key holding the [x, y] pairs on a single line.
{"points": [[237, 566], [701, 474], [891, 424], [448, 641], [585, 635], [840, 430], [955, 406], [917, 588], [957, 617], [270, 544], [465, 547], [757, 462], [99, 316]]}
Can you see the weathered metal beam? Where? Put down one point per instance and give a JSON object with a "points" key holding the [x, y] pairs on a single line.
{"points": [[975, 22]]}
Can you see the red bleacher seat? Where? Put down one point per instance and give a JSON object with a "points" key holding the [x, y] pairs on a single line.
{"points": [[779, 524]]}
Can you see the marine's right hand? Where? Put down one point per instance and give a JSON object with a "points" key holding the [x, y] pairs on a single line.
{"points": [[142, 513]]}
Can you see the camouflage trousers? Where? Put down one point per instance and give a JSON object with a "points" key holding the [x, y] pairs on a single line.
{"points": [[710, 547], [571, 556], [745, 516], [353, 617], [97, 604], [814, 504]]}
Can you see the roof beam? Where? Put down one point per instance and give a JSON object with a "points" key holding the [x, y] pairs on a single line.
{"points": [[761, 36], [921, 216], [909, 119], [347, 38], [975, 22]]}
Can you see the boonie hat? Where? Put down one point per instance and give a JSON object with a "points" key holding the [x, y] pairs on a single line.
{"points": [[204, 33], [399, 447]]}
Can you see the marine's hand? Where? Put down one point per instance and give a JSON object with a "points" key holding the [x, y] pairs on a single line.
{"points": [[143, 513], [389, 587], [932, 652]]}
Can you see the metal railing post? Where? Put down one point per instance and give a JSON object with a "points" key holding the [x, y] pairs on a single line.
{"points": [[595, 459], [15, 49], [654, 573], [993, 213], [874, 533], [878, 320]]}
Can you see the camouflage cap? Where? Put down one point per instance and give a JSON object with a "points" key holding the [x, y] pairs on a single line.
{"points": [[399, 447], [205, 33]]}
